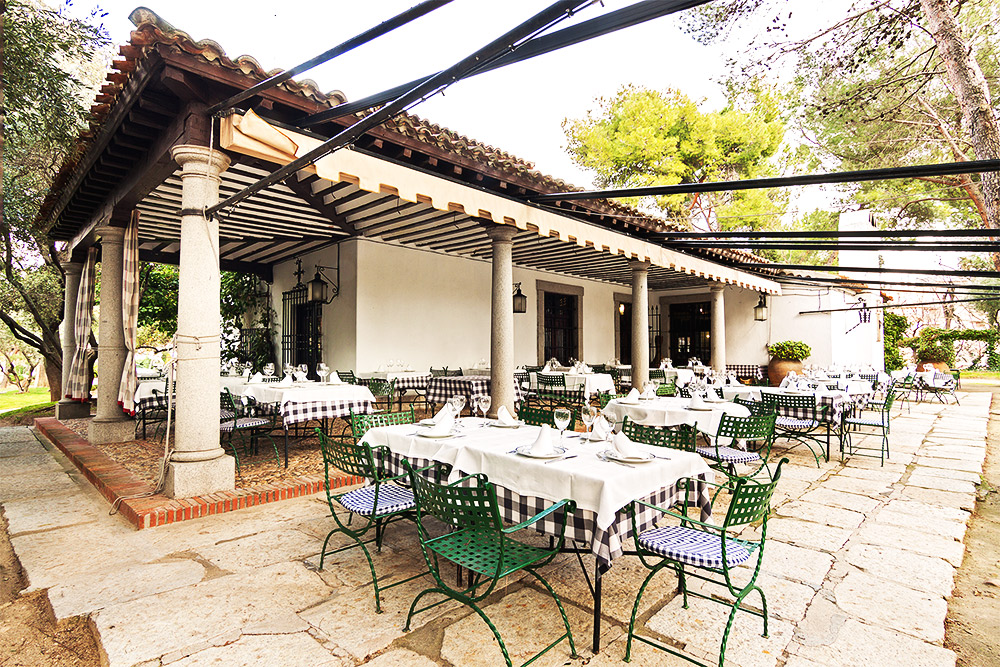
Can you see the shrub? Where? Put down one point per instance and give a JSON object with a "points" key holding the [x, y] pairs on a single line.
{"points": [[793, 350]]}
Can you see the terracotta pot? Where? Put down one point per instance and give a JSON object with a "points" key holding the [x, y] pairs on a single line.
{"points": [[942, 366], [777, 369]]}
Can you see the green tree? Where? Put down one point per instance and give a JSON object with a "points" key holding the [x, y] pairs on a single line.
{"points": [[643, 137], [48, 62], [888, 83]]}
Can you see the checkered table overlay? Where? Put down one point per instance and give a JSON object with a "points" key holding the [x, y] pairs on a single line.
{"points": [[440, 389], [751, 371], [606, 545], [415, 382], [154, 402], [296, 412], [837, 403]]}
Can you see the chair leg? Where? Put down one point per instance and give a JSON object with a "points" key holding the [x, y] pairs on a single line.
{"points": [[562, 612], [635, 607]]}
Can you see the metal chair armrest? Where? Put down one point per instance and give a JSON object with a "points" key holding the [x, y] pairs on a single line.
{"points": [[568, 504]]}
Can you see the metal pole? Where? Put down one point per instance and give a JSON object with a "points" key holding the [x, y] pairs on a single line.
{"points": [[872, 269], [443, 79], [887, 233], [916, 171], [854, 281], [901, 305], [403, 18]]}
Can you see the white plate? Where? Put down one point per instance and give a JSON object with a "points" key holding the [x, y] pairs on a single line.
{"points": [[624, 402], [437, 436], [699, 409], [716, 400], [648, 398], [592, 438], [501, 425], [612, 455], [526, 451], [426, 422]]}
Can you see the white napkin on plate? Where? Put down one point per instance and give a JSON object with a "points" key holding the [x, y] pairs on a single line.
{"points": [[444, 425], [447, 410], [632, 396], [300, 376], [542, 445], [257, 377], [649, 392], [697, 402], [600, 429], [334, 378], [286, 381], [505, 418], [625, 447], [246, 373]]}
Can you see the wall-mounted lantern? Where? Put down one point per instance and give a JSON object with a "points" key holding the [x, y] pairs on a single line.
{"points": [[760, 310], [520, 301]]}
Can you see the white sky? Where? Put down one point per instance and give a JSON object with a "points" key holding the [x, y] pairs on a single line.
{"points": [[519, 108]]}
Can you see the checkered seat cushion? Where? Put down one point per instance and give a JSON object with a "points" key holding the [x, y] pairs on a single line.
{"points": [[391, 498], [694, 547], [794, 422], [225, 415], [865, 421], [728, 454], [243, 422]]}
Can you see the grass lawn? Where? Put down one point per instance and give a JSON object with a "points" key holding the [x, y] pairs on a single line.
{"points": [[981, 375], [10, 400]]}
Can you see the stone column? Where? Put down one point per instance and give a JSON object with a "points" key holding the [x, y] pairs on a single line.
{"points": [[110, 424], [66, 408], [502, 320], [640, 323], [198, 465], [718, 332]]}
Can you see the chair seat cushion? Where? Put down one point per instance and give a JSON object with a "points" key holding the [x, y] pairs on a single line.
{"points": [[226, 414], [728, 454], [694, 547], [243, 422], [792, 422], [391, 498], [862, 421]]}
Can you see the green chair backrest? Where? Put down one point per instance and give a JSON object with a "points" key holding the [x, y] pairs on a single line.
{"points": [[667, 387], [347, 376], [465, 506], [439, 372], [657, 374], [386, 388], [360, 423], [684, 392], [800, 405], [453, 374], [683, 437], [522, 377], [751, 499], [604, 398], [761, 407], [550, 380], [539, 416], [351, 458], [754, 427]]}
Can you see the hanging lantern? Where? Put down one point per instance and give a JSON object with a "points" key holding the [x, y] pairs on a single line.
{"points": [[317, 289], [520, 301], [760, 310]]}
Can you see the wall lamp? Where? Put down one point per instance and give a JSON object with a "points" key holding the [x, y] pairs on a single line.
{"points": [[760, 310], [520, 301]]}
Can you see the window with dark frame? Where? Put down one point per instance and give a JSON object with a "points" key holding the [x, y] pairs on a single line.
{"points": [[301, 331], [560, 326], [690, 328]]}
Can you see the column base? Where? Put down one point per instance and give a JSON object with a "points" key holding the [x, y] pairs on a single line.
{"points": [[118, 430], [199, 478], [72, 409]]}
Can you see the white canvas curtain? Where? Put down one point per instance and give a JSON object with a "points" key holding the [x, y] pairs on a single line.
{"points": [[78, 388], [130, 313]]}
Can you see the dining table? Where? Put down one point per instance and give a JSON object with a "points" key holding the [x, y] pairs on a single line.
{"points": [[441, 389], [590, 383], [602, 489], [673, 411]]}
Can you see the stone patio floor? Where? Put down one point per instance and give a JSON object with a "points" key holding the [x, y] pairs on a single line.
{"points": [[858, 567]]}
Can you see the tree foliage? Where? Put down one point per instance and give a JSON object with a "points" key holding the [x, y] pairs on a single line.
{"points": [[895, 326], [48, 62], [643, 137]]}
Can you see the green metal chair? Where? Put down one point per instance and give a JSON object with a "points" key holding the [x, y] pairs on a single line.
{"points": [[236, 423], [802, 419], [755, 428], [603, 398], [905, 388], [381, 502], [708, 552], [657, 374], [384, 392], [347, 376], [667, 388], [439, 372], [478, 542], [684, 392], [536, 415], [683, 437], [762, 407], [361, 423], [942, 385], [879, 422], [550, 381]]}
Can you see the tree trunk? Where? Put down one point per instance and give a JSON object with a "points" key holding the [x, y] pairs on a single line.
{"points": [[979, 121], [53, 374]]}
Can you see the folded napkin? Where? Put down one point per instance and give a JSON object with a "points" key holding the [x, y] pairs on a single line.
{"points": [[601, 428], [732, 380], [787, 381], [586, 369], [543, 443], [633, 395], [447, 410], [257, 377], [380, 369], [504, 416], [697, 402], [625, 447], [444, 425], [286, 381], [791, 374], [649, 391], [334, 378], [300, 376], [803, 385], [663, 365], [246, 373]]}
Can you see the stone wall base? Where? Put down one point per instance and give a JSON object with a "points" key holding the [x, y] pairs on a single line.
{"points": [[199, 478], [119, 430], [72, 410]]}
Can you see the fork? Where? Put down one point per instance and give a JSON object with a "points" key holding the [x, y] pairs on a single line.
{"points": [[607, 460], [563, 458]]}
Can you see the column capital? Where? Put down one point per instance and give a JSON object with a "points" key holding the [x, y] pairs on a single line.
{"points": [[717, 288], [72, 268], [501, 233], [193, 158], [109, 234], [639, 265]]}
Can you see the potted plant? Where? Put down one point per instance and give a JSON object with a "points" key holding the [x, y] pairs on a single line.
{"points": [[786, 356], [932, 351]]}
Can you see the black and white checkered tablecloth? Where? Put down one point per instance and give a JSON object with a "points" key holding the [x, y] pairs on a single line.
{"points": [[440, 389], [606, 545], [837, 402], [418, 382], [154, 402], [293, 412]]}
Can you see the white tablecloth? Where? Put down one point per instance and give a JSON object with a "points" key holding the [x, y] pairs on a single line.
{"points": [[591, 383], [393, 375], [595, 485], [306, 392], [673, 412]]}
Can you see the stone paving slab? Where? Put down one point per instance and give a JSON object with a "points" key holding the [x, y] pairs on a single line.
{"points": [[940, 483], [928, 523], [13, 434], [879, 602], [35, 514], [253, 552], [831, 516], [30, 463], [266, 650], [807, 534], [922, 573], [911, 540], [34, 485], [183, 621], [857, 644], [946, 499], [841, 499]]}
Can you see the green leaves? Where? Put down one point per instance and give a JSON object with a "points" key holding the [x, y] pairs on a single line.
{"points": [[789, 349]]}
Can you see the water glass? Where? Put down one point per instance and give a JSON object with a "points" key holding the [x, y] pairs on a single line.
{"points": [[322, 370], [561, 417], [588, 414], [458, 402], [269, 369], [485, 401]]}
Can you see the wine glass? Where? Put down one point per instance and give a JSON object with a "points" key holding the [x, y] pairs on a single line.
{"points": [[322, 370], [588, 414], [269, 369], [485, 401], [561, 417], [458, 402]]}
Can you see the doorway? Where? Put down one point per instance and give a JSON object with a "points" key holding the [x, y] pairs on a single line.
{"points": [[690, 332], [560, 322]]}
